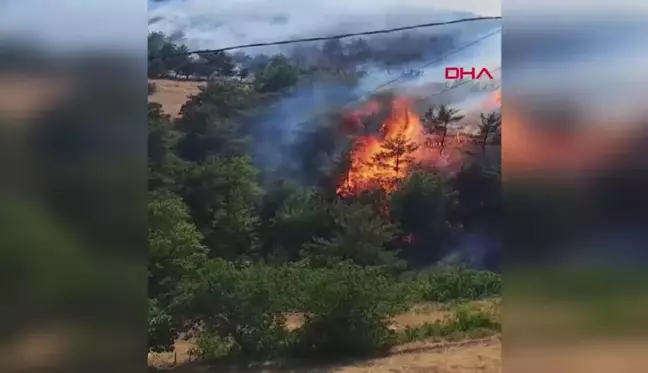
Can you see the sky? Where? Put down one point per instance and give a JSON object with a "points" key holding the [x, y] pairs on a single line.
{"points": [[123, 23]]}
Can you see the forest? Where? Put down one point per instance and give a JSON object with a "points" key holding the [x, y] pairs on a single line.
{"points": [[260, 208]]}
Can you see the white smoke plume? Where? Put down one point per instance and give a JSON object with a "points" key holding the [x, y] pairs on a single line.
{"points": [[215, 24]]}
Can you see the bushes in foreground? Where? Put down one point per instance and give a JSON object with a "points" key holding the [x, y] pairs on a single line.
{"points": [[348, 312], [239, 309], [447, 284], [464, 322], [162, 331], [239, 305]]}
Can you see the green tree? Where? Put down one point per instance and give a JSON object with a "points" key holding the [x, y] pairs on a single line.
{"points": [[360, 235], [348, 311], [212, 122], [277, 76], [222, 194], [437, 119], [221, 63], [165, 56], [174, 244], [156, 45], [302, 216], [188, 67], [163, 164], [181, 63], [162, 328], [479, 197], [421, 207], [241, 305]]}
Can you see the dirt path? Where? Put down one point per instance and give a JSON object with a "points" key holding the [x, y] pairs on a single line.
{"points": [[470, 356]]}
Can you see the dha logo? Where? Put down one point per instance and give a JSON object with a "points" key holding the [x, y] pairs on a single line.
{"points": [[459, 73]]}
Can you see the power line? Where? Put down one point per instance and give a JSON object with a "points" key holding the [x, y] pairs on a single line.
{"points": [[341, 36], [428, 64]]}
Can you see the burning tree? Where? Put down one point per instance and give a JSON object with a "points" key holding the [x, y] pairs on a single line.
{"points": [[394, 158], [436, 121], [382, 158]]}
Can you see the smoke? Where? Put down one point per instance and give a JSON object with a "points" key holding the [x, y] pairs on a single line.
{"points": [[205, 24], [280, 130], [211, 24]]}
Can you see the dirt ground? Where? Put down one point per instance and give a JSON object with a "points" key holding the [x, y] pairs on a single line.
{"points": [[471, 356]]}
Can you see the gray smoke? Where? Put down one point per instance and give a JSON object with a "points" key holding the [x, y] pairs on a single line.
{"points": [[206, 24], [215, 24]]}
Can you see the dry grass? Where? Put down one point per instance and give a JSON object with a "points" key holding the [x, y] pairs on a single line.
{"points": [[172, 94], [480, 355]]}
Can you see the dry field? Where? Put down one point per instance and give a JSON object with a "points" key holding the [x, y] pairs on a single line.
{"points": [[172, 94], [477, 355]]}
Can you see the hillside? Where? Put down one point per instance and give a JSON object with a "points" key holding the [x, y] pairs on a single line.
{"points": [[295, 229]]}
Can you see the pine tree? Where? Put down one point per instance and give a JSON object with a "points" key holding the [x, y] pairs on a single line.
{"points": [[437, 119], [489, 126]]}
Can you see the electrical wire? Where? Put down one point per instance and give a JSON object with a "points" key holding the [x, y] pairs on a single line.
{"points": [[340, 36]]}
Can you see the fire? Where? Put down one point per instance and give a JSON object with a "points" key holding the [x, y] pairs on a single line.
{"points": [[381, 160], [494, 102], [371, 161]]}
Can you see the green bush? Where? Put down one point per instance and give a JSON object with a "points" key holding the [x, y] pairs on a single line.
{"points": [[162, 332], [238, 304], [466, 319], [210, 346], [348, 312], [446, 284]]}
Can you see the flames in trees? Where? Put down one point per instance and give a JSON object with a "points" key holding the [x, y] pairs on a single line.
{"points": [[380, 160]]}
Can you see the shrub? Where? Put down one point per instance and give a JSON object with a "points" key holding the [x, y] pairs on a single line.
{"points": [[348, 312], [210, 346], [238, 304], [445, 284], [466, 319], [161, 330], [465, 322]]}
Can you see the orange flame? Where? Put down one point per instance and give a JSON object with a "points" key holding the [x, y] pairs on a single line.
{"points": [[495, 101], [364, 172]]}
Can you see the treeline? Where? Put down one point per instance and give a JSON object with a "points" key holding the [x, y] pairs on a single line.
{"points": [[233, 249]]}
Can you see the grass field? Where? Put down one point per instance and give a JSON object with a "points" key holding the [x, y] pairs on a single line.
{"points": [[172, 94], [460, 354]]}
